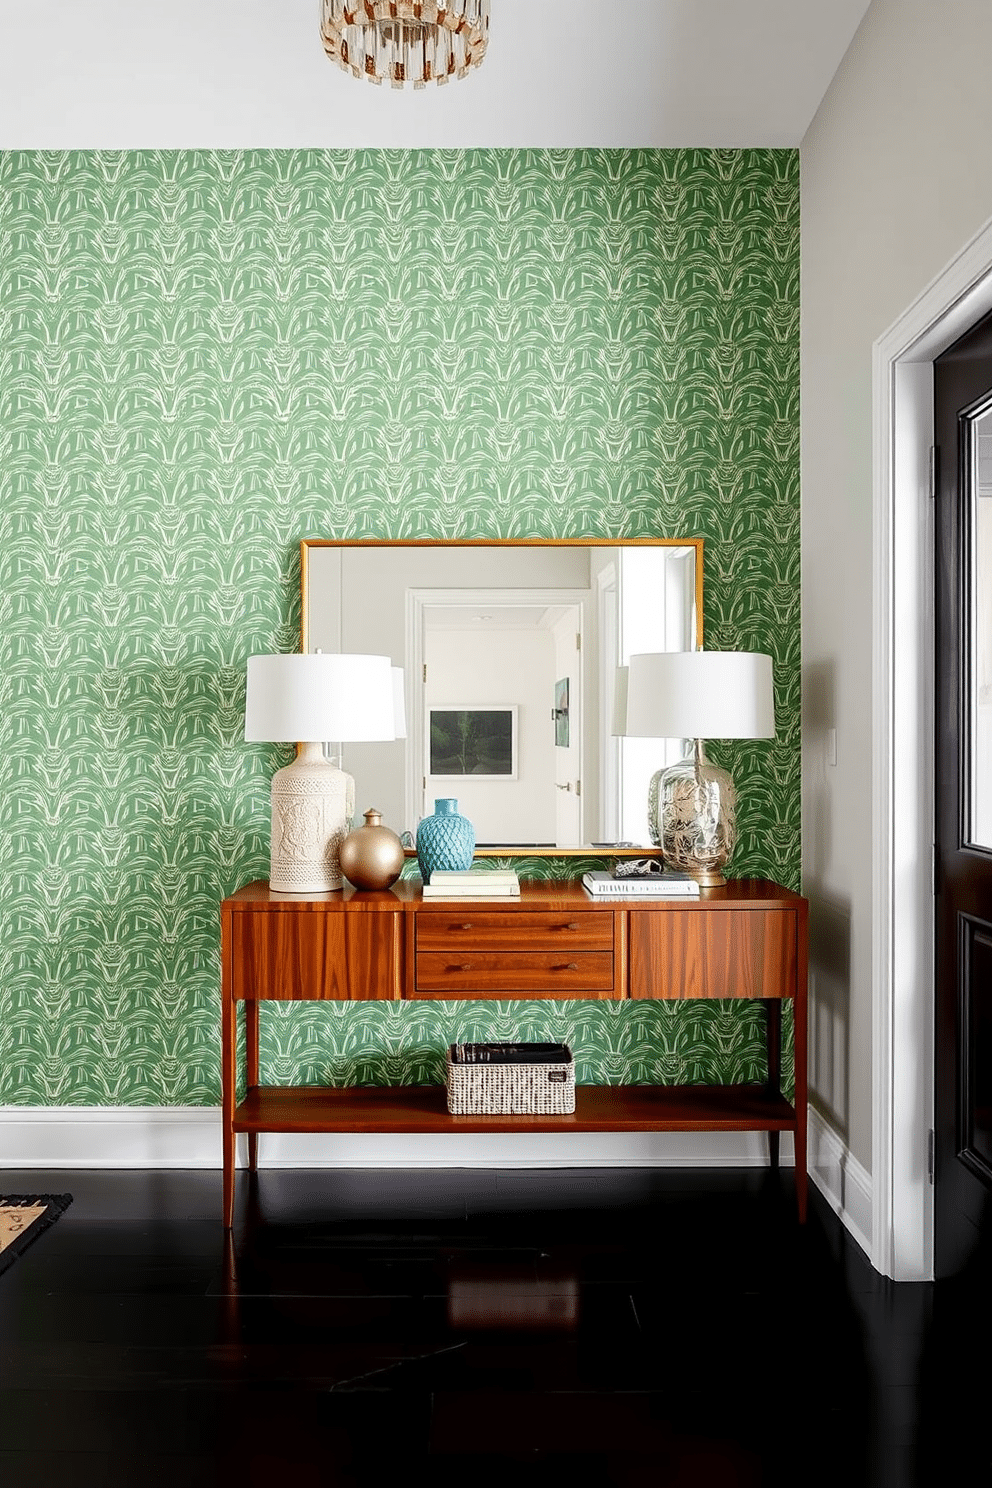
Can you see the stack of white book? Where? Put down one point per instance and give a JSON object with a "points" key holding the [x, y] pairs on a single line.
{"points": [[665, 885], [472, 884]]}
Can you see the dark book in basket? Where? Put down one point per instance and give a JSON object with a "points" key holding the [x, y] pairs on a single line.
{"points": [[507, 1053]]}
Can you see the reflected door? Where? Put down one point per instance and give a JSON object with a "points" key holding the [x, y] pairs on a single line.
{"points": [[963, 799], [487, 688], [566, 727]]}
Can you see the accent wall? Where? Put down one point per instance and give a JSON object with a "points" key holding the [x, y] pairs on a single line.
{"points": [[208, 356]]}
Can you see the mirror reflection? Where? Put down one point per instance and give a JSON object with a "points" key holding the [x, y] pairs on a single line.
{"points": [[510, 652]]}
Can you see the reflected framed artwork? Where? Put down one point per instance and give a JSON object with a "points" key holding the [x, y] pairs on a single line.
{"points": [[476, 741]]}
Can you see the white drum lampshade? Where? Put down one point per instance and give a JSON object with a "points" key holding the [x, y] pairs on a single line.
{"points": [[697, 695], [306, 700], [399, 704]]}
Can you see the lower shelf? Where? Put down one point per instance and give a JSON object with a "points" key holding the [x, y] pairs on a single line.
{"points": [[422, 1108]]}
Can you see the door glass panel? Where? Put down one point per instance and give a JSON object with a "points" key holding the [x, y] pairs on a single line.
{"points": [[978, 955], [980, 660]]}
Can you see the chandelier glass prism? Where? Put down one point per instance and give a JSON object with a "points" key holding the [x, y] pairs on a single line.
{"points": [[405, 41]]}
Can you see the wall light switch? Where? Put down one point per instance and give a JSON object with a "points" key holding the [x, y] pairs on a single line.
{"points": [[831, 746]]}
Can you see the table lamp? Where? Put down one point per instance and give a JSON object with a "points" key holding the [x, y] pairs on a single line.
{"points": [[697, 695], [399, 704], [305, 699]]}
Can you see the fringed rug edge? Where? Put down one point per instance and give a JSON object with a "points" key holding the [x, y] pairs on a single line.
{"points": [[55, 1207]]}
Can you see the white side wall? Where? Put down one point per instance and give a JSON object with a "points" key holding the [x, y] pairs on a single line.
{"points": [[894, 181]]}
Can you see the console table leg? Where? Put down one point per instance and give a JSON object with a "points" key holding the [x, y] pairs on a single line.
{"points": [[229, 1085], [228, 1190], [800, 1043], [251, 1071], [228, 1076], [773, 1044]]}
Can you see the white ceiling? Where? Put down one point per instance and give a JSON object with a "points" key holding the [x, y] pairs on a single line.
{"points": [[134, 74]]}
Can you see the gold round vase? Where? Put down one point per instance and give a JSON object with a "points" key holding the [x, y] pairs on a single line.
{"points": [[372, 856]]}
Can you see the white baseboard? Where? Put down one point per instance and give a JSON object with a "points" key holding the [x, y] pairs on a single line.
{"points": [[841, 1179], [110, 1137], [190, 1137]]}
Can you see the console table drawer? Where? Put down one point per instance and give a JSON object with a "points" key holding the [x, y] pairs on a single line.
{"points": [[727, 953], [297, 955], [513, 929], [471, 973]]}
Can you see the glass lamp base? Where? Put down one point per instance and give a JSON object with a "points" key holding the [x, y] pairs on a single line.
{"points": [[692, 815]]}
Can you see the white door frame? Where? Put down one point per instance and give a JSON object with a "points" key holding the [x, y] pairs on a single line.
{"points": [[902, 763]]}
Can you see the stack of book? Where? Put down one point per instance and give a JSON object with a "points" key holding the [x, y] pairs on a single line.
{"points": [[665, 885], [510, 1053], [473, 884]]}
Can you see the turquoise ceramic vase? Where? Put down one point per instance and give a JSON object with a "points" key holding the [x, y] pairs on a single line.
{"points": [[445, 840]]}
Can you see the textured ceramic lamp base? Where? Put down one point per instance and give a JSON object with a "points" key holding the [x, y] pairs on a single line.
{"points": [[693, 817], [312, 803]]}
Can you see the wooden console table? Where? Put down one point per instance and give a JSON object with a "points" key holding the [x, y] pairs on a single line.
{"points": [[748, 939]]}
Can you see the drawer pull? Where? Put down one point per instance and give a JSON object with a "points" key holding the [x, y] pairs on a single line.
{"points": [[569, 966], [466, 927]]}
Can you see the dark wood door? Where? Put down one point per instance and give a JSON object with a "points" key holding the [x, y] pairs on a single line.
{"points": [[963, 802]]}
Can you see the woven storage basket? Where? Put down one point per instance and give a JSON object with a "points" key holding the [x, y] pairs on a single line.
{"points": [[501, 1087]]}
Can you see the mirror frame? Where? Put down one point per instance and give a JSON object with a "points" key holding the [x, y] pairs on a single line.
{"points": [[309, 544]]}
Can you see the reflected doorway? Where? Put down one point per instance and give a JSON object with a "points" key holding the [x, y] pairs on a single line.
{"points": [[500, 667]]}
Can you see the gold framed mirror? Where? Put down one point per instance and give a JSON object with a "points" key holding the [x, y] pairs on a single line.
{"points": [[510, 650]]}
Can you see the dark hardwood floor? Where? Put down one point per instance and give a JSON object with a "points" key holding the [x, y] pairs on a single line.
{"points": [[662, 1328]]}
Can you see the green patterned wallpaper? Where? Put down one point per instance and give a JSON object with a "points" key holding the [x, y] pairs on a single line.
{"points": [[206, 357]]}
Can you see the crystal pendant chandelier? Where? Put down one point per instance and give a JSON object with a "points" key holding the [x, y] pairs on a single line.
{"points": [[405, 41]]}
